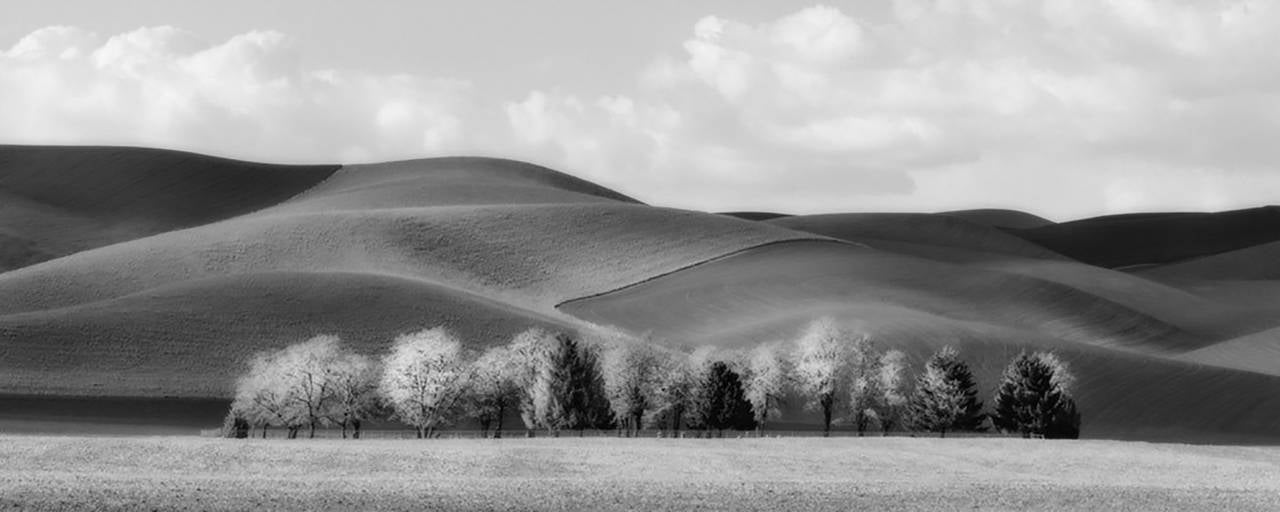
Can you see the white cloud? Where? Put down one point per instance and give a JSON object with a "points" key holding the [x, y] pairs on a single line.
{"points": [[248, 96], [1135, 104]]}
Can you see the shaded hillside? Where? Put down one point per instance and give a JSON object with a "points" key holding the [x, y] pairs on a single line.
{"points": [[756, 215], [1156, 238], [916, 230], [57, 200], [1258, 352], [1259, 262], [1000, 218], [192, 338]]}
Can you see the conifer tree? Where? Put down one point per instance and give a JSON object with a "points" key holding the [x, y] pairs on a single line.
{"points": [[721, 403], [1034, 398], [945, 398]]}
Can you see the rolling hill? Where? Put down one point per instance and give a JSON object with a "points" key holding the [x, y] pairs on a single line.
{"points": [[1143, 239], [166, 270], [56, 201]]}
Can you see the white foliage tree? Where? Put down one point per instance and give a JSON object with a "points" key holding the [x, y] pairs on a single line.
{"points": [[765, 383], [355, 388], [495, 387], [892, 383], [312, 383], [821, 367], [539, 380], [633, 377], [864, 384], [423, 378]]}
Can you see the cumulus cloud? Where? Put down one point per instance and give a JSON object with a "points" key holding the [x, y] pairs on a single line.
{"points": [[248, 96], [1058, 106], [1062, 107]]}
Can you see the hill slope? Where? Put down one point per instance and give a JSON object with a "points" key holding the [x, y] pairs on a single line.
{"points": [[999, 218], [56, 201], [1156, 238], [1259, 262], [1129, 375]]}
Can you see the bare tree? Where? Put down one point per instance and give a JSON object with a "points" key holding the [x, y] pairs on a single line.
{"points": [[821, 367], [536, 350], [423, 378], [291, 387], [765, 379]]}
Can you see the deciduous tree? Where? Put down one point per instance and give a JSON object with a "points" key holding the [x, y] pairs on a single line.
{"points": [[765, 381], [423, 378], [821, 367]]}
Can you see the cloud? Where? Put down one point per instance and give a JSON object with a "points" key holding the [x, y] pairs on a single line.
{"points": [[1124, 104], [248, 96]]}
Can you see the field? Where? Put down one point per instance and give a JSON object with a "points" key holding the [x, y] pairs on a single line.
{"points": [[78, 473]]}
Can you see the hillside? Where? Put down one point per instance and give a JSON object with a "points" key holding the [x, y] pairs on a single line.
{"points": [[1258, 262], [999, 218], [477, 244], [1142, 239], [906, 231], [1126, 361], [56, 201], [156, 274]]}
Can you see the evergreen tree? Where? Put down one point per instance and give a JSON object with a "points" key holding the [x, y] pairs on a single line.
{"points": [[945, 398], [1034, 399], [587, 406], [720, 402]]}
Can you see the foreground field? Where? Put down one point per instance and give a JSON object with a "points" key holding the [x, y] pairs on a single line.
{"points": [[72, 473]]}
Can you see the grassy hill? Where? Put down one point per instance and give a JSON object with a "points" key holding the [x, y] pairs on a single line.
{"points": [[162, 271], [1143, 239], [56, 200], [1131, 374], [1257, 262], [486, 246]]}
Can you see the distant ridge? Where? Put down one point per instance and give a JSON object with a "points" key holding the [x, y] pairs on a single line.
{"points": [[1116, 241], [756, 215], [1001, 218]]}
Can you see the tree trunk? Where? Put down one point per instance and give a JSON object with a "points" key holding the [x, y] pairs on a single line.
{"points": [[420, 431], [264, 430], [355, 429], [497, 431], [312, 434], [943, 433], [826, 420], [344, 429]]}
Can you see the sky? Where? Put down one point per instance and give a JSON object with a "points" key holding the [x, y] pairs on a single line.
{"points": [[1063, 108]]}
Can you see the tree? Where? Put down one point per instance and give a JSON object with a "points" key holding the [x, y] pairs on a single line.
{"points": [[495, 388], [1034, 398], [765, 381], [892, 384], [937, 401], [945, 397], [679, 381], [423, 378], [864, 388], [632, 372], [587, 405], [264, 398], [721, 403], [355, 388], [821, 367], [292, 387]]}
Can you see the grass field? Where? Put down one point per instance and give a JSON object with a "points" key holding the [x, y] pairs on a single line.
{"points": [[77, 473]]}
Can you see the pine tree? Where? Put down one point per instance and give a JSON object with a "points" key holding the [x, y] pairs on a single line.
{"points": [[945, 398], [1034, 398], [720, 401], [587, 407]]}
